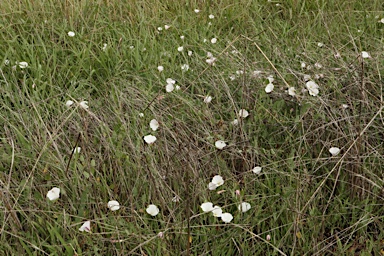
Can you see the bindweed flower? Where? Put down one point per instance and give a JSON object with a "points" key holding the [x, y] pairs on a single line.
{"points": [[291, 91], [141, 114], [150, 139], [318, 65], [256, 170], [313, 88], [243, 113], [6, 62], [270, 79], [160, 68], [268, 238], [152, 210], [154, 124], [160, 235], [207, 207], [104, 47], [226, 217], [77, 150], [196, 10], [182, 37], [84, 104], [319, 44], [180, 48], [334, 151], [190, 53], [307, 78], [169, 88], [167, 27], [244, 207], [211, 16], [69, 103], [176, 199], [185, 67], [85, 227], [71, 34], [217, 211], [53, 194], [269, 88], [365, 55], [207, 99], [235, 122], [216, 182], [303, 65], [113, 205], [220, 144], [214, 40], [23, 64]]}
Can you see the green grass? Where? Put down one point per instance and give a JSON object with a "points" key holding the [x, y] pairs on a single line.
{"points": [[305, 200]]}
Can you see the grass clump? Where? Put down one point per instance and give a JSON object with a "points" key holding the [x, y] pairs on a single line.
{"points": [[305, 201]]}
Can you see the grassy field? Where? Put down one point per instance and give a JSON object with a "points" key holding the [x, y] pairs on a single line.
{"points": [[94, 73]]}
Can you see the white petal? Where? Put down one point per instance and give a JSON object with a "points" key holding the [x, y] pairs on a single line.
{"points": [[23, 64], [197, 10], [218, 180], [213, 40], [154, 124], [149, 139], [152, 210], [84, 104], [207, 207], [113, 205], [169, 88], [167, 27], [220, 144], [212, 186], [190, 53], [69, 103], [244, 207], [313, 88], [334, 151], [292, 91], [53, 194], [160, 68], [243, 113], [365, 55], [207, 99], [226, 217], [86, 226], [217, 211], [211, 16], [235, 122], [77, 150], [180, 49], [269, 88], [170, 81], [320, 44], [270, 79], [71, 33], [257, 170]]}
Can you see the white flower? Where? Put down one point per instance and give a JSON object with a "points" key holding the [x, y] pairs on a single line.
{"points": [[182, 37], [53, 194], [167, 27], [175, 199], [69, 103], [269, 88], [256, 73], [257, 170], [211, 16], [268, 238], [77, 150], [23, 64], [345, 106], [217, 181], [207, 207], [197, 10], [235, 122], [334, 151], [190, 53], [84, 104], [318, 65], [365, 55], [177, 87], [382, 20], [226, 217], [160, 68], [320, 44], [244, 207], [185, 67], [209, 55], [240, 72], [86, 226], [220, 144], [232, 77], [159, 28], [104, 47], [243, 113], [211, 61], [180, 48], [154, 124], [141, 114], [6, 62], [313, 88], [113, 205], [213, 40], [170, 81], [149, 139], [292, 91], [217, 211], [71, 33], [270, 79], [307, 78], [152, 210], [303, 65], [207, 99], [169, 87]]}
